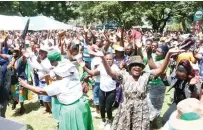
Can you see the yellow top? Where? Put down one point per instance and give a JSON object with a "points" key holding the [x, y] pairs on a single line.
{"points": [[186, 56]]}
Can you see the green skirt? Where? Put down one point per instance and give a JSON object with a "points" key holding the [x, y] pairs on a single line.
{"points": [[56, 105], [76, 116]]}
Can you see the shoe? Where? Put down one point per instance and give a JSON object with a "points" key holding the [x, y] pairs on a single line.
{"points": [[102, 125], [95, 114]]}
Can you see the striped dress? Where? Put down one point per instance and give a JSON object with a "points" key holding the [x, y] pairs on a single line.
{"points": [[86, 56]]}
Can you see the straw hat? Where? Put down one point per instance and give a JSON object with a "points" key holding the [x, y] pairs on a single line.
{"points": [[188, 116]]}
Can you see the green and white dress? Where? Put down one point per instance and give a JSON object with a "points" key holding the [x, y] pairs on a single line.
{"points": [[70, 107]]}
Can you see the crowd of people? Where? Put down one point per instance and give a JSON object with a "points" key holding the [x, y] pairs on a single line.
{"points": [[126, 69]]}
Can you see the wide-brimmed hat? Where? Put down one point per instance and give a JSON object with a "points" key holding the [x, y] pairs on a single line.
{"points": [[188, 116], [135, 60]]}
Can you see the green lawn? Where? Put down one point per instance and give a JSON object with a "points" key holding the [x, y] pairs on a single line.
{"points": [[38, 121]]}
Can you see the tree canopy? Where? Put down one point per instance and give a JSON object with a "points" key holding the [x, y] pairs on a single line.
{"points": [[60, 10], [130, 13], [127, 13]]}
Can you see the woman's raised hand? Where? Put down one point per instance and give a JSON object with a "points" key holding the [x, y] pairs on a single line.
{"points": [[98, 53], [195, 80], [175, 51]]}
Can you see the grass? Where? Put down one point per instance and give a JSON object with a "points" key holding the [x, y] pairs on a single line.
{"points": [[35, 120]]}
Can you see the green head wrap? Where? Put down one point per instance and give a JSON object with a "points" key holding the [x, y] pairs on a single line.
{"points": [[54, 55]]}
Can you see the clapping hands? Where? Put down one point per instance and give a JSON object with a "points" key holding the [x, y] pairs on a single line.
{"points": [[95, 51]]}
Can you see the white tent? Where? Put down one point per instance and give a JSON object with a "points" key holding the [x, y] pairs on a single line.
{"points": [[36, 23], [12, 22], [45, 23]]}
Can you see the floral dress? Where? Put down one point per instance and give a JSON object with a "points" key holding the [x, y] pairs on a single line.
{"points": [[133, 111]]}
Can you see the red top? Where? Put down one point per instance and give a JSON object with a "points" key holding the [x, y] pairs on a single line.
{"points": [[136, 34]]}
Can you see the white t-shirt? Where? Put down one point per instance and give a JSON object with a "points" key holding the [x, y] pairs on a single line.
{"points": [[96, 61], [46, 65], [67, 90], [106, 82]]}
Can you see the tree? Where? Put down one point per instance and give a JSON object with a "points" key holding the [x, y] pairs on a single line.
{"points": [[184, 12], [60, 10], [85, 11], [126, 13], [158, 13]]}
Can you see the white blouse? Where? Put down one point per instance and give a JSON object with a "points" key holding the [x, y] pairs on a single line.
{"points": [[67, 90]]}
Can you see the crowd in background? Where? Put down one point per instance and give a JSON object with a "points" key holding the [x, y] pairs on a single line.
{"points": [[127, 69]]}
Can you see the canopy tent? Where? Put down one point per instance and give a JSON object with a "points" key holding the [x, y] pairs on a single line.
{"points": [[36, 23], [45, 23], [12, 22]]}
